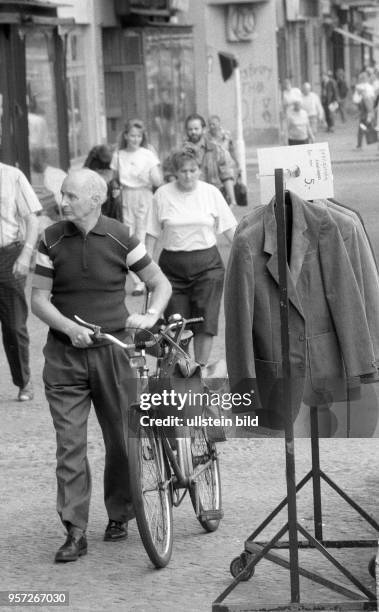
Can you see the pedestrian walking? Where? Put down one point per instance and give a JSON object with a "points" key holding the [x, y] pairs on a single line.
{"points": [[374, 81], [47, 182], [188, 214], [329, 97], [342, 91], [99, 159], [139, 173], [364, 98], [215, 163], [289, 94], [18, 235], [82, 263], [298, 125], [216, 133], [164, 121], [311, 103]]}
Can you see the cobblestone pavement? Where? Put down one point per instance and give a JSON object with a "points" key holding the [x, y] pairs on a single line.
{"points": [[119, 576]]}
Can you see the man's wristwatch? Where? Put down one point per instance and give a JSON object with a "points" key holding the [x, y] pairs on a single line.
{"points": [[152, 311]]}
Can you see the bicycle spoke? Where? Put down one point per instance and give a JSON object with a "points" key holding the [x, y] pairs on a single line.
{"points": [[154, 495], [206, 481]]}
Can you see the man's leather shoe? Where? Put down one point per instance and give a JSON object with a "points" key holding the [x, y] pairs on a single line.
{"points": [[73, 548], [26, 393], [116, 530]]}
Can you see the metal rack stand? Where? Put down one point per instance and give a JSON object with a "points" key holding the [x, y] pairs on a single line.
{"points": [[243, 567]]}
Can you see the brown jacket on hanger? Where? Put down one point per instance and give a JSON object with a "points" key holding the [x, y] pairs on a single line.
{"points": [[329, 335], [364, 266]]}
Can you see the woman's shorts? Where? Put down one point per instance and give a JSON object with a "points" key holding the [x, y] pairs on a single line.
{"points": [[135, 205], [197, 279], [292, 141]]}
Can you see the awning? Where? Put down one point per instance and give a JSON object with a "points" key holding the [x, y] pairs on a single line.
{"points": [[359, 39], [15, 4], [223, 2]]}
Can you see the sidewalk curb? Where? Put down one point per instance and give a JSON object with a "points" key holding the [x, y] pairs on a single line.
{"points": [[253, 162]]}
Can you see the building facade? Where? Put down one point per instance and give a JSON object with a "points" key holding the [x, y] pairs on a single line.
{"points": [[132, 62], [246, 30], [160, 63], [32, 86], [299, 41], [71, 74], [352, 34], [315, 36]]}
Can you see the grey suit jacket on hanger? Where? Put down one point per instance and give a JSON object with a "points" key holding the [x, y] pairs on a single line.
{"points": [[329, 334]]}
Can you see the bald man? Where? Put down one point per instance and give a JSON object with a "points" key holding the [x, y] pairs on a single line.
{"points": [[81, 270]]}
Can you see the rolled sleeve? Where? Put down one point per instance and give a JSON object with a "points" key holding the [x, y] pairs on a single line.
{"points": [[225, 218], [153, 225], [137, 257], [44, 270], [225, 165], [27, 201]]}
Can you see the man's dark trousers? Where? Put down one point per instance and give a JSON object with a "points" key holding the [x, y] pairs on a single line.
{"points": [[73, 378], [13, 316]]}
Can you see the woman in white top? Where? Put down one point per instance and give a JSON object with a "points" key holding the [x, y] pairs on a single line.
{"points": [[139, 172], [188, 214], [298, 125]]}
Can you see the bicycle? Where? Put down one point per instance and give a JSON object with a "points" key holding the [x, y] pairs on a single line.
{"points": [[163, 465]]}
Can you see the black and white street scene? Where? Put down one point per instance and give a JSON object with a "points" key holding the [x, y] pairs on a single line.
{"points": [[189, 305]]}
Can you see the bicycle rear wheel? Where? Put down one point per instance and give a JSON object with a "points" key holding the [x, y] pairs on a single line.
{"points": [[151, 494], [205, 489]]}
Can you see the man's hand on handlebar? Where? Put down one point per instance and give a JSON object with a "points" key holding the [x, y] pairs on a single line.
{"points": [[80, 336]]}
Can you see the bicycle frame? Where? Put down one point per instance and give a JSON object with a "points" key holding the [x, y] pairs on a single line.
{"points": [[174, 464]]}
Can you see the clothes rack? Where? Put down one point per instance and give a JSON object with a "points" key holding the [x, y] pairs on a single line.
{"points": [[242, 567]]}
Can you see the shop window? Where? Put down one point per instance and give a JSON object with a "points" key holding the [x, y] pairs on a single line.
{"points": [[123, 79], [131, 50], [41, 99], [44, 158], [169, 71], [77, 101]]}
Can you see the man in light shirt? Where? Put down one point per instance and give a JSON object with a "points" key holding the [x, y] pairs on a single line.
{"points": [[311, 103], [18, 235], [289, 95]]}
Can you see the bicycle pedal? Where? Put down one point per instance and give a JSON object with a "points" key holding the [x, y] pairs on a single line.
{"points": [[211, 515]]}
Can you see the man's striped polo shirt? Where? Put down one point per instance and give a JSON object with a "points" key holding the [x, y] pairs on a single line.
{"points": [[86, 274]]}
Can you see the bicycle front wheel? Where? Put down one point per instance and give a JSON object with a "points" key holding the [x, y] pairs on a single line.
{"points": [[151, 494], [205, 489]]}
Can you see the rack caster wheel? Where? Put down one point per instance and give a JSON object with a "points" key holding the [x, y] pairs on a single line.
{"points": [[239, 564], [372, 567]]}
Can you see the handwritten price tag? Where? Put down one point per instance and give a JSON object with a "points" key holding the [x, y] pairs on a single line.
{"points": [[315, 179]]}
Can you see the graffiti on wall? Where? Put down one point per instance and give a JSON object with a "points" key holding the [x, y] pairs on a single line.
{"points": [[258, 98]]}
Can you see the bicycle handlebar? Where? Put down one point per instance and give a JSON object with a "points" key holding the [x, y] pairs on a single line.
{"points": [[143, 344]]}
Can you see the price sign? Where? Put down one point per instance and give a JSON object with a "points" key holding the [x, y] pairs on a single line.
{"points": [[314, 178]]}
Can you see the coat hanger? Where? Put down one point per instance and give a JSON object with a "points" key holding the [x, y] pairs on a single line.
{"points": [[293, 172], [287, 172]]}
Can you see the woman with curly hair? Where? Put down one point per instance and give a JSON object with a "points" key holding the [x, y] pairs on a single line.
{"points": [[188, 215]]}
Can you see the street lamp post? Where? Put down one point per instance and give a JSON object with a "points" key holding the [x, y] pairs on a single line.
{"points": [[240, 143], [229, 66]]}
